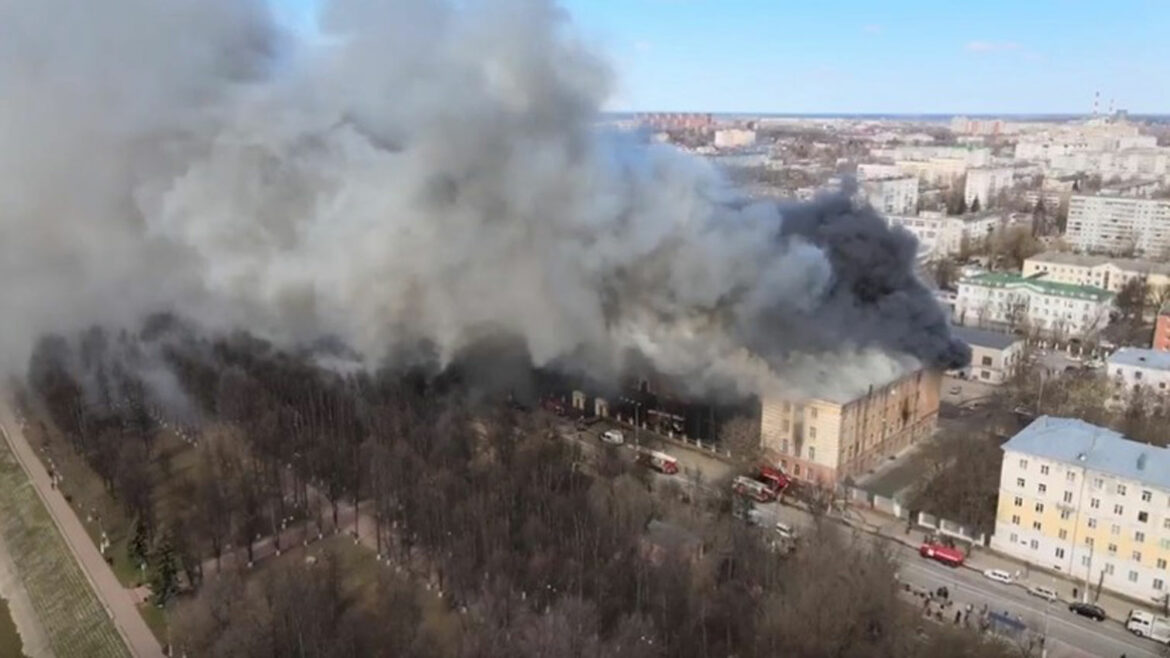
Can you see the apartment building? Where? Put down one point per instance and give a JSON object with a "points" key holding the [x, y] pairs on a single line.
{"points": [[986, 183], [1134, 368], [1116, 224], [727, 138], [1086, 501], [894, 195], [1161, 340], [1002, 300], [943, 235], [1105, 272], [826, 440], [994, 355]]}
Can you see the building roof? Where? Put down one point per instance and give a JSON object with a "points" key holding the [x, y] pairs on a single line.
{"points": [[1088, 260], [983, 338], [1140, 357], [1009, 280], [1073, 441]]}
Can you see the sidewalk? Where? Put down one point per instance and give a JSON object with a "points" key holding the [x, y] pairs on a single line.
{"points": [[982, 558], [118, 601]]}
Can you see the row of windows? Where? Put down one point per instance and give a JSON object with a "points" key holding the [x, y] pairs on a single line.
{"points": [[1133, 576], [1070, 476]]}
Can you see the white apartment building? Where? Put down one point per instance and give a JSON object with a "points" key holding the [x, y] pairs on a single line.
{"points": [[943, 235], [994, 355], [891, 195], [1086, 501], [1115, 224], [1105, 272], [1002, 300], [1134, 368], [1147, 162], [872, 170], [728, 138], [986, 183], [1094, 135]]}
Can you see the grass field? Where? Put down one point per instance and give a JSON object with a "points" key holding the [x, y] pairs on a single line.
{"points": [[73, 618], [9, 639]]}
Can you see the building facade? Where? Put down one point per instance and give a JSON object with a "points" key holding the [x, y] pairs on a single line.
{"points": [[892, 196], [994, 355], [1107, 273], [1085, 501], [1135, 368], [986, 183], [1161, 340], [1116, 224], [727, 138], [1001, 300], [944, 235], [825, 441]]}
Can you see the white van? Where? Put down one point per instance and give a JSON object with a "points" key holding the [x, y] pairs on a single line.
{"points": [[1144, 624], [1046, 593], [614, 437], [999, 576]]}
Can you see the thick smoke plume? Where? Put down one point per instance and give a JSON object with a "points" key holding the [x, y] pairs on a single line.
{"points": [[426, 171]]}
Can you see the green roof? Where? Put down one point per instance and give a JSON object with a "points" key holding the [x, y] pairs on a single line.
{"points": [[1008, 280]]}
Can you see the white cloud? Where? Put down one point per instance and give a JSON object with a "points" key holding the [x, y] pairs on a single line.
{"points": [[991, 46]]}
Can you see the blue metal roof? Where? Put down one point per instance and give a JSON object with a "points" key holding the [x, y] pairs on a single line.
{"points": [[1141, 358], [1076, 442], [983, 338]]}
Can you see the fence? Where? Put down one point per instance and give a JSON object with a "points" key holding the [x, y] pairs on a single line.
{"points": [[892, 507]]}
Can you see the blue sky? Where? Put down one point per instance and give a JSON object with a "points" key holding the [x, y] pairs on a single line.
{"points": [[911, 56]]}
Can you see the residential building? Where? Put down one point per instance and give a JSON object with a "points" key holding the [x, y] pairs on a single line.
{"points": [[873, 170], [827, 440], [1115, 224], [1086, 501], [1002, 300], [943, 235], [1105, 272], [728, 138], [1161, 340], [1134, 368], [986, 183], [897, 195], [994, 355]]}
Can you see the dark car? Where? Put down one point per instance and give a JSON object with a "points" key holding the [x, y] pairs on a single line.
{"points": [[1087, 610]]}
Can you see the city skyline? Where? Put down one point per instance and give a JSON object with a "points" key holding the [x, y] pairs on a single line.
{"points": [[908, 57]]}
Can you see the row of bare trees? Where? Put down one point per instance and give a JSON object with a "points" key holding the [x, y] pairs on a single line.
{"points": [[534, 555]]}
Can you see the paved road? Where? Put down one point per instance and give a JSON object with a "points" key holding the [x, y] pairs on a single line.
{"points": [[116, 599]]}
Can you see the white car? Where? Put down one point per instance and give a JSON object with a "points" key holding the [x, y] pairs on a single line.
{"points": [[1046, 593], [784, 530], [999, 576], [614, 437]]}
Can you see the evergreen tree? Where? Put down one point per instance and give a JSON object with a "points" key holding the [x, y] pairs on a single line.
{"points": [[164, 577], [137, 548], [975, 204]]}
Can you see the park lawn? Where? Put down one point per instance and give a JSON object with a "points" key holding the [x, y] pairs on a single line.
{"points": [[98, 510], [74, 620]]}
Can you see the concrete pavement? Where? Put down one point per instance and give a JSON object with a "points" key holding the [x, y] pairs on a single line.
{"points": [[118, 601]]}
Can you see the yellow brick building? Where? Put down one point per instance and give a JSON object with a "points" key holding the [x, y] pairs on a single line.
{"points": [[1086, 501]]}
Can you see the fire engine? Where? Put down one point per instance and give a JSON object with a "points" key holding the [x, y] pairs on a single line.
{"points": [[659, 461], [764, 487]]}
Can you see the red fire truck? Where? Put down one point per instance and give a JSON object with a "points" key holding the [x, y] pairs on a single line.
{"points": [[948, 555], [659, 461], [764, 487]]}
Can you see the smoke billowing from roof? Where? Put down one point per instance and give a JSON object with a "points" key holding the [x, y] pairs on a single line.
{"points": [[429, 172]]}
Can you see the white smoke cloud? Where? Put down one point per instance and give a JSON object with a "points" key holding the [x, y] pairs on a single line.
{"points": [[427, 170]]}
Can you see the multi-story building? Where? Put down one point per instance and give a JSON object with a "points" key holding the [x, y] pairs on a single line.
{"points": [[727, 138], [1134, 368], [826, 440], [897, 195], [1161, 340], [1115, 224], [1001, 300], [1107, 273], [1086, 501], [986, 183], [995, 355], [943, 235], [873, 170]]}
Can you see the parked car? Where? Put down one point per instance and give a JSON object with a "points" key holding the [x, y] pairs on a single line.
{"points": [[1087, 610], [614, 437], [955, 390], [785, 530], [1046, 593], [750, 516], [999, 576]]}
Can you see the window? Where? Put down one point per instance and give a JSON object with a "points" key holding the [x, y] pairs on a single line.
{"points": [[1060, 552], [1092, 523], [1070, 476], [1036, 525], [1084, 560], [1166, 523], [1146, 496], [1019, 502], [1023, 464], [1063, 533], [1158, 584], [1068, 496], [1044, 469], [1098, 483], [1113, 549], [812, 432], [1139, 537], [812, 453], [1040, 507], [1015, 519], [1161, 563], [1115, 530], [1121, 490], [1118, 509], [1041, 487], [1095, 503], [812, 413], [1088, 541], [1014, 538], [1020, 482], [986, 360], [1143, 516], [1133, 576], [1109, 568], [1034, 544], [1165, 544], [1137, 556], [1065, 514]]}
